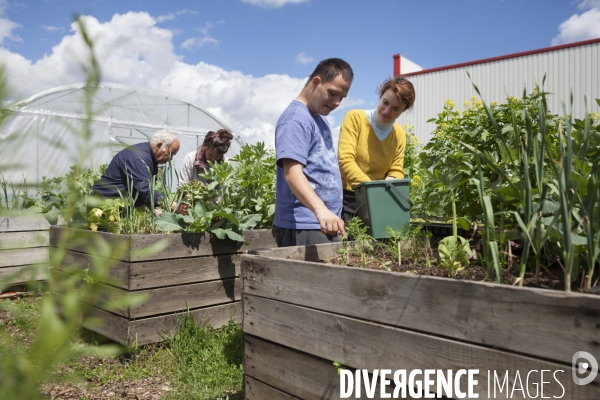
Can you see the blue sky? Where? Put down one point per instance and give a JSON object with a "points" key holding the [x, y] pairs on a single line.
{"points": [[245, 60]]}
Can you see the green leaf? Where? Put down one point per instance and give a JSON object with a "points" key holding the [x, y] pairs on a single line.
{"points": [[169, 222], [463, 223], [222, 233]]}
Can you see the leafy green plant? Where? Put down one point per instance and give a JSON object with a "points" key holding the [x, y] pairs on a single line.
{"points": [[453, 250], [357, 231], [56, 194], [237, 196], [14, 197]]}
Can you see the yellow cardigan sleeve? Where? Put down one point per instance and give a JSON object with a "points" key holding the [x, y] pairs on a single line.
{"points": [[350, 132]]}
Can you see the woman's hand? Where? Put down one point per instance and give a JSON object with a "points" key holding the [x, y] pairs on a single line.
{"points": [[390, 178]]}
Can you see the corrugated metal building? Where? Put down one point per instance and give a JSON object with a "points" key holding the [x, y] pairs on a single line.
{"points": [[568, 68]]}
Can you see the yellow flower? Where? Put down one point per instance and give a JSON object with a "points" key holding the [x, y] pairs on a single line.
{"points": [[466, 103], [449, 103], [415, 181]]}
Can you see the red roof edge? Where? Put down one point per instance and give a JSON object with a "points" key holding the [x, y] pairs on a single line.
{"points": [[486, 60]]}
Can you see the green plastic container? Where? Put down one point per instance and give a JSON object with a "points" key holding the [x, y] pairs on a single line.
{"points": [[383, 203]]}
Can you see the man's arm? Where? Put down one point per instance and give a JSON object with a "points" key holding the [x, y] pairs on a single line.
{"points": [[294, 176]]}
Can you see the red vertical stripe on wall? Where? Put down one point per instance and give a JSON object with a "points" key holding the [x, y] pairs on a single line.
{"points": [[396, 64]]}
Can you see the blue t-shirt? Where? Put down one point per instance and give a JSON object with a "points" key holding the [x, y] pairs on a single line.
{"points": [[302, 137]]}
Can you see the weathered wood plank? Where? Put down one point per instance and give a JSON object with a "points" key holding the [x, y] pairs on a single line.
{"points": [[171, 298], [119, 270], [296, 373], [175, 245], [104, 244], [299, 374], [155, 329], [512, 318], [153, 274], [23, 223], [24, 274], [256, 390], [16, 257], [23, 240], [176, 298], [318, 252], [366, 345]]}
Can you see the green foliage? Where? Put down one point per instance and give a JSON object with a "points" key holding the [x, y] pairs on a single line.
{"points": [[446, 153], [237, 196], [453, 251], [23, 372], [357, 231], [248, 184], [418, 173], [68, 194], [14, 197], [208, 362]]}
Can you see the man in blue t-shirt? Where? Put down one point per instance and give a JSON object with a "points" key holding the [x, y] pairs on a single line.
{"points": [[309, 186]]}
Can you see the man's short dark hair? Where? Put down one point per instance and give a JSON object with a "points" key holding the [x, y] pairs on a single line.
{"points": [[328, 69]]}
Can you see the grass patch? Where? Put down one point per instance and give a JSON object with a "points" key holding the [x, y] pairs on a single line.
{"points": [[198, 362], [209, 361]]}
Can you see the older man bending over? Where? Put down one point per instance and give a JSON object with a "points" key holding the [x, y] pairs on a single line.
{"points": [[138, 164]]}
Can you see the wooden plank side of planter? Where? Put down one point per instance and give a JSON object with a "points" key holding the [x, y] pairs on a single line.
{"points": [[516, 319], [366, 345], [24, 240], [24, 274], [172, 298], [23, 223], [153, 274], [119, 270], [256, 390], [116, 246], [174, 245], [154, 329], [318, 252], [16, 257], [197, 244], [299, 374], [175, 298]]}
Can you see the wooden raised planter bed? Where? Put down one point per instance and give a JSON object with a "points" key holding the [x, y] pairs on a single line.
{"points": [[193, 272], [300, 315], [24, 244]]}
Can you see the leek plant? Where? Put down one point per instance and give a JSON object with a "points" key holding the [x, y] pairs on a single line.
{"points": [[524, 190]]}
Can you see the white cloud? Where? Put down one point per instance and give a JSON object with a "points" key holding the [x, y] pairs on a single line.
{"points": [[272, 3], [580, 26], [304, 59], [133, 50], [186, 11], [195, 43], [585, 4], [167, 17], [52, 29], [6, 28]]}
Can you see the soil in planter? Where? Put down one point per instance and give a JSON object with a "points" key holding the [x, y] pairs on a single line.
{"points": [[381, 258]]}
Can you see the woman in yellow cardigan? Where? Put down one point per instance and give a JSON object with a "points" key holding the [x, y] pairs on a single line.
{"points": [[371, 145]]}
